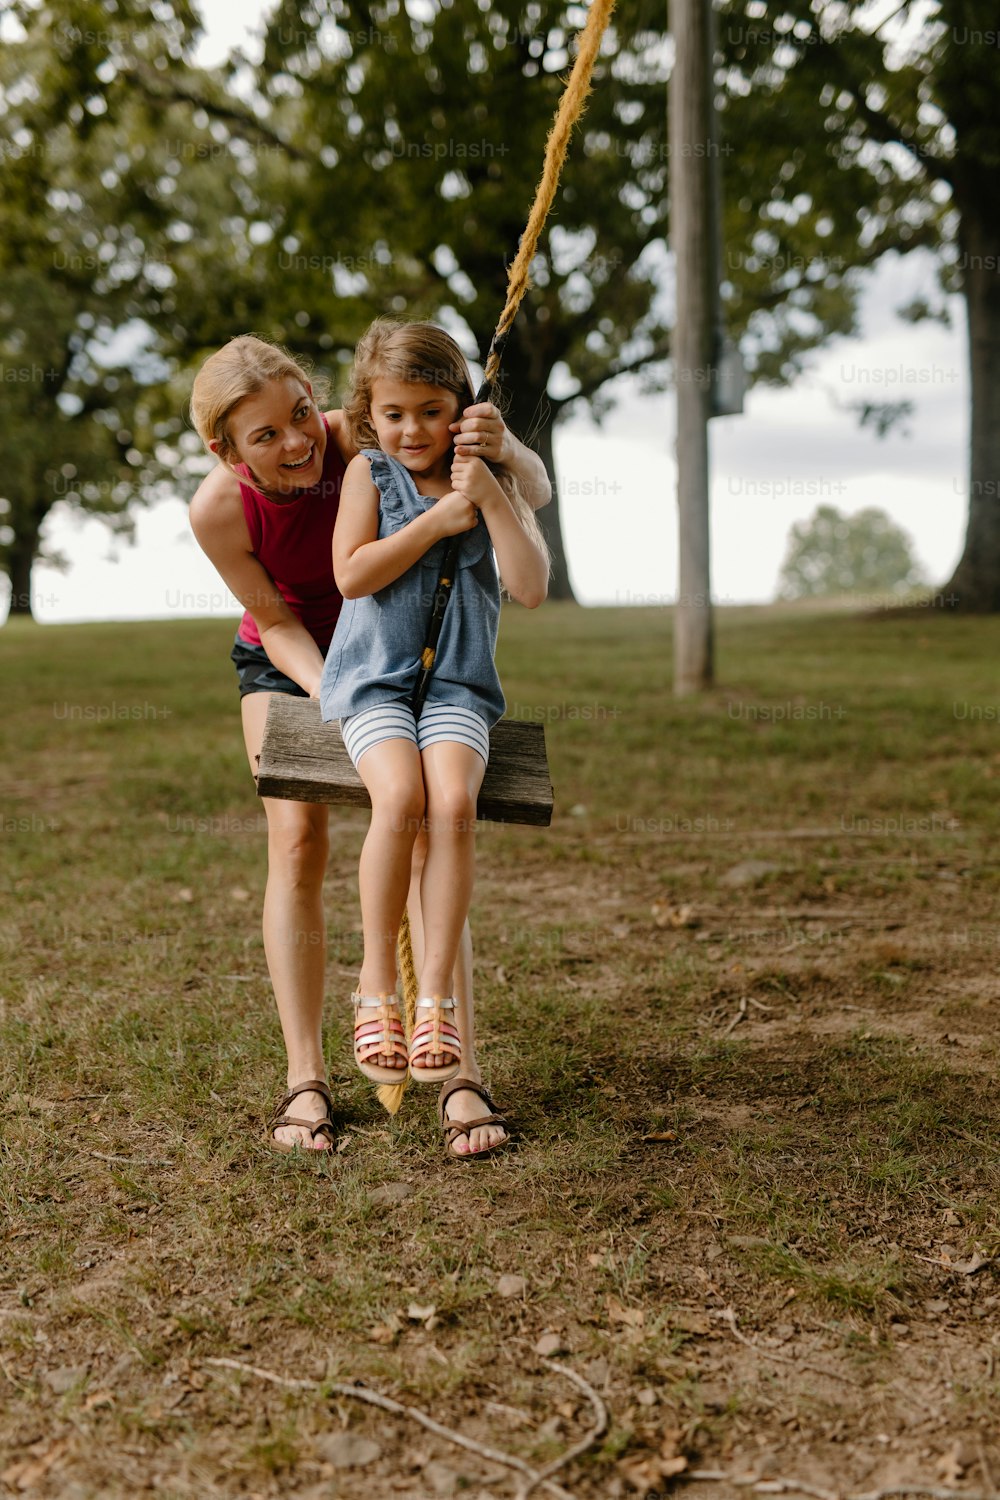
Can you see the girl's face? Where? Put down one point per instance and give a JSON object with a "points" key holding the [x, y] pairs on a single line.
{"points": [[279, 435], [411, 423]]}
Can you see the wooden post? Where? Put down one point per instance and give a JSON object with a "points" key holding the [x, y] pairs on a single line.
{"points": [[692, 219]]}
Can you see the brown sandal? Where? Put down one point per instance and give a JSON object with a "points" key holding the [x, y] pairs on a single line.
{"points": [[454, 1128], [279, 1118]]}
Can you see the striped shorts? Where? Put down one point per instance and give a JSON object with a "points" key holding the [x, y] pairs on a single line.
{"points": [[395, 721]]}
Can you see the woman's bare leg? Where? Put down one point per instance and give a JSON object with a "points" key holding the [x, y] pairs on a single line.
{"points": [[294, 929]]}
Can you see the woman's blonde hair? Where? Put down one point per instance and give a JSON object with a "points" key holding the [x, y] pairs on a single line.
{"points": [[423, 354], [239, 369]]}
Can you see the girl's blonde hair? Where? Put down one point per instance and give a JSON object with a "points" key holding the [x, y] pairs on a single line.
{"points": [[239, 369], [426, 355]]}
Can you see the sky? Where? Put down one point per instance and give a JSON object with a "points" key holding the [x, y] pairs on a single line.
{"points": [[789, 451]]}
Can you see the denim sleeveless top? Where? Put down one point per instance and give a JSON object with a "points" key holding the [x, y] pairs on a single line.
{"points": [[374, 656]]}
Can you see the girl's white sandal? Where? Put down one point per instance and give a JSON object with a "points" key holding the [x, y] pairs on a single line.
{"points": [[436, 1035], [381, 1035]]}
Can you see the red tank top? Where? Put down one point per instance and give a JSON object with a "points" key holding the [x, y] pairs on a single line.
{"points": [[294, 542]]}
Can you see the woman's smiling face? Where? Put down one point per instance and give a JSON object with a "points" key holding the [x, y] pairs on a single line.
{"points": [[279, 434]]}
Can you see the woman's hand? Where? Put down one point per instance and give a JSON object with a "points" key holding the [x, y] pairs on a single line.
{"points": [[481, 433]]}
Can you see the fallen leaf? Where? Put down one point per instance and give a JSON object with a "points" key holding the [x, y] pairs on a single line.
{"points": [[950, 1466], [65, 1378], [99, 1398], [747, 872], [25, 1475], [512, 1286], [666, 915], [384, 1333], [390, 1192], [642, 1474], [671, 1466], [690, 1322], [660, 1135], [975, 1263], [349, 1450], [632, 1317], [442, 1479], [18, 1103]]}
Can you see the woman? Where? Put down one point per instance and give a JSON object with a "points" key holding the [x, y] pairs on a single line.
{"points": [[265, 518]]}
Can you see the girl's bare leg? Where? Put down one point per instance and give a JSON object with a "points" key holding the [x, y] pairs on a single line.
{"points": [[391, 771], [453, 775], [294, 929]]}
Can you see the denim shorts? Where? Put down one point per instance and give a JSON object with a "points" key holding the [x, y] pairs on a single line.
{"points": [[257, 673]]}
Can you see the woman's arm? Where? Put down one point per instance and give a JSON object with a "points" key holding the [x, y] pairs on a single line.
{"points": [[363, 564], [524, 567], [220, 528], [481, 433]]}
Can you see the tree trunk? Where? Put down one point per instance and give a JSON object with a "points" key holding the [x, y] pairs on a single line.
{"points": [[21, 556], [975, 584], [692, 208]]}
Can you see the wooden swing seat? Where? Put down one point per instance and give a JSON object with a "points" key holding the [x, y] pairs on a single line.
{"points": [[304, 760]]}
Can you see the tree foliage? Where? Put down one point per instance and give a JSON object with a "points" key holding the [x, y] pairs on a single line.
{"points": [[880, 128], [831, 553], [119, 213], [383, 158]]}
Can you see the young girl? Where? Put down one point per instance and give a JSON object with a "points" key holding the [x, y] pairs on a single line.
{"points": [[265, 516], [404, 496]]}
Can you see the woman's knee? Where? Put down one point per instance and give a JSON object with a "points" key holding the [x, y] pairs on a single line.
{"points": [[298, 841]]}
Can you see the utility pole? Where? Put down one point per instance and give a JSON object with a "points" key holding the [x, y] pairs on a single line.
{"points": [[695, 243]]}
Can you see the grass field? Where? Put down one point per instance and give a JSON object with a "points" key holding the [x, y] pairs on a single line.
{"points": [[741, 999]]}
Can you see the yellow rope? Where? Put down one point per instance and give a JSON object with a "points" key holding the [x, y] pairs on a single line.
{"points": [[391, 1094], [570, 109]]}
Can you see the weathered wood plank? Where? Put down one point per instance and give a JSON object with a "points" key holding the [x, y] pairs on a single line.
{"points": [[304, 760]]}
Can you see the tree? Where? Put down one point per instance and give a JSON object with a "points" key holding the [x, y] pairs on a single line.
{"points": [[378, 160], [450, 172], [119, 210], [831, 553], [887, 133]]}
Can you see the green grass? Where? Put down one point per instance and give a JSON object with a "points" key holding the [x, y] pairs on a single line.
{"points": [[822, 1146]]}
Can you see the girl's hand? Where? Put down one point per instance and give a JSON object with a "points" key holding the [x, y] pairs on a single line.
{"points": [[480, 433], [475, 481], [454, 513]]}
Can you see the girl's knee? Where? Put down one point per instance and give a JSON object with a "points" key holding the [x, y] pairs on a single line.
{"points": [[452, 809], [399, 804]]}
